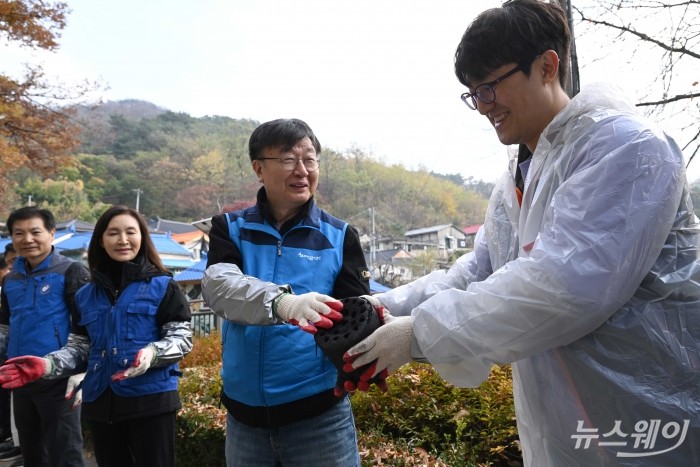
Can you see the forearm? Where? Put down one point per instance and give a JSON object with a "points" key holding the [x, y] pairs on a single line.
{"points": [[70, 359], [175, 344], [472, 267], [237, 297]]}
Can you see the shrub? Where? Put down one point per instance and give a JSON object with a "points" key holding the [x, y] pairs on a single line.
{"points": [[201, 423], [206, 351], [461, 426], [420, 421]]}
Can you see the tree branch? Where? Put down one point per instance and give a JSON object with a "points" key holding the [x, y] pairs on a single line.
{"points": [[640, 35], [679, 97]]}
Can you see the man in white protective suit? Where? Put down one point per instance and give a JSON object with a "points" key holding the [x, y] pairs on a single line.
{"points": [[584, 275]]}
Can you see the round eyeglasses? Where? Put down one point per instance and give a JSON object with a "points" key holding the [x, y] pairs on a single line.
{"points": [[290, 163], [485, 92]]}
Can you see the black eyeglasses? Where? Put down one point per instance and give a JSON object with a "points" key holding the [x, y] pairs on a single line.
{"points": [[485, 92], [290, 163]]}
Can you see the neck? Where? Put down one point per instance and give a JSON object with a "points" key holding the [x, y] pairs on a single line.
{"points": [[30, 265], [558, 103], [283, 215]]}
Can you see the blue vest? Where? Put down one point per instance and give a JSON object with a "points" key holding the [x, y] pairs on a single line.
{"points": [[272, 365], [39, 316], [117, 332]]}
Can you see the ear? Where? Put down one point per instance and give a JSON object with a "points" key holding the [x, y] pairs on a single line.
{"points": [[550, 66], [257, 168]]}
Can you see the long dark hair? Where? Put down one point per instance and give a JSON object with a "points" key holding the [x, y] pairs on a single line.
{"points": [[98, 259]]}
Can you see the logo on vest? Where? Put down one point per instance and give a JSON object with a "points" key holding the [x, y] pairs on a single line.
{"points": [[45, 289], [309, 257]]}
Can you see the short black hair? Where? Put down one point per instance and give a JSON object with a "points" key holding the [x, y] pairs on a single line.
{"points": [[283, 132], [517, 32], [30, 212], [9, 247]]}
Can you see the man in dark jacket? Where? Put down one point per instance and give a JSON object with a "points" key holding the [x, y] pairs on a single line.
{"points": [[35, 319]]}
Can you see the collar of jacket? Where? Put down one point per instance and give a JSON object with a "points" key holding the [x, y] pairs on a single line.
{"points": [[20, 264], [131, 271]]}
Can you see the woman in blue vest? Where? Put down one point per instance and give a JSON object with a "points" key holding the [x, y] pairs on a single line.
{"points": [[133, 329]]}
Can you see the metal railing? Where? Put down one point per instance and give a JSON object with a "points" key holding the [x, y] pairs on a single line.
{"points": [[204, 321]]}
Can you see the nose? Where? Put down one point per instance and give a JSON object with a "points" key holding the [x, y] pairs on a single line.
{"points": [[300, 168], [123, 239]]}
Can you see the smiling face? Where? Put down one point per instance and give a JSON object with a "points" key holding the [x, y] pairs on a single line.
{"points": [[32, 240], [525, 105], [287, 191], [122, 238]]}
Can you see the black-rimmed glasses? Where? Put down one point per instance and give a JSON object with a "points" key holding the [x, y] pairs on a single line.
{"points": [[485, 92], [290, 163]]}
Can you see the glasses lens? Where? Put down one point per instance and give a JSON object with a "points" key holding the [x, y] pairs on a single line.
{"points": [[288, 163], [485, 93], [469, 100], [311, 164]]}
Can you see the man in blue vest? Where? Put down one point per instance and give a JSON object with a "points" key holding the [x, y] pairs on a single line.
{"points": [[35, 319], [271, 268]]}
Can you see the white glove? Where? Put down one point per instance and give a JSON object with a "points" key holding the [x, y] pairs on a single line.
{"points": [[312, 307], [75, 384], [142, 362], [387, 348], [374, 301]]}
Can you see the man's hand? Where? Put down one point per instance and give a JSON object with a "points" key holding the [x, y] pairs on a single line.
{"points": [[18, 371], [344, 385], [142, 362], [309, 310], [75, 385], [385, 350], [377, 305]]}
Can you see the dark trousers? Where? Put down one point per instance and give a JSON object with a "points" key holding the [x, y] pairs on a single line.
{"points": [[49, 428], [141, 442], [5, 421]]}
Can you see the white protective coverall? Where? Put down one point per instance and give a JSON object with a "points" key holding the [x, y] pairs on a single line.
{"points": [[590, 288]]}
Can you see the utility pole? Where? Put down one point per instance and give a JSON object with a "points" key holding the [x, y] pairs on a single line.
{"points": [[138, 197], [372, 244]]}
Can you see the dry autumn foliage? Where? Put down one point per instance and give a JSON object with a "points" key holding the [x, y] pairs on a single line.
{"points": [[35, 133]]}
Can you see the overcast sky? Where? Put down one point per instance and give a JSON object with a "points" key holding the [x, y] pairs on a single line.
{"points": [[374, 74]]}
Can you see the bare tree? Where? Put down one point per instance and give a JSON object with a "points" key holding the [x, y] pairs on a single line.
{"points": [[656, 41]]}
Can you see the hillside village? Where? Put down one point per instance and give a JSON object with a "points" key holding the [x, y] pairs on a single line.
{"points": [[182, 246]]}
